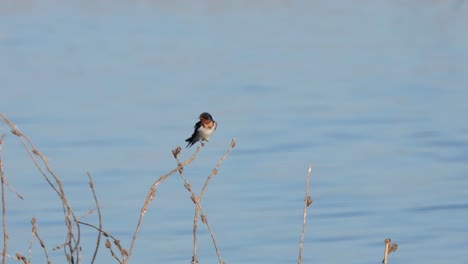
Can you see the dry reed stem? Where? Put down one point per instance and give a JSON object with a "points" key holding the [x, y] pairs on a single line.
{"points": [[13, 189], [5, 233], [30, 246], [389, 248], [386, 251], [150, 196], [307, 202], [198, 199], [104, 233], [98, 242], [72, 241], [215, 170], [1, 169], [122, 250], [21, 258], [12, 257], [109, 246], [195, 200], [41, 242], [89, 212]]}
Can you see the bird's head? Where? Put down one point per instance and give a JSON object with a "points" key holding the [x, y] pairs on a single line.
{"points": [[206, 116]]}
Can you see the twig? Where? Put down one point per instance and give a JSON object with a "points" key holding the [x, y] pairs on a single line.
{"points": [[22, 259], [15, 131], [109, 246], [122, 250], [307, 202], [30, 246], [13, 189], [15, 257], [150, 196], [104, 233], [91, 185], [41, 242], [89, 212], [5, 233], [389, 248], [72, 241], [195, 200], [215, 170], [198, 199]]}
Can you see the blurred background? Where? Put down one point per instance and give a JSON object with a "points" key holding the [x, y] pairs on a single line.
{"points": [[373, 94]]}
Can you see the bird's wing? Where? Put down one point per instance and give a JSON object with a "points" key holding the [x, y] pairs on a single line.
{"points": [[197, 125]]}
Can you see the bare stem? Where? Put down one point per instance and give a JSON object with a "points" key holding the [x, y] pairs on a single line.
{"points": [[91, 185], [5, 233], [41, 242], [389, 248], [387, 245], [215, 170], [307, 202], [198, 207], [150, 196], [73, 240]]}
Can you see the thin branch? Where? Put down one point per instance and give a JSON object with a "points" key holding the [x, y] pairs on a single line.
{"points": [[389, 248], [30, 246], [22, 259], [41, 242], [5, 233], [13, 189], [109, 246], [72, 240], [198, 208], [307, 202], [91, 185], [89, 212], [215, 170], [150, 196], [104, 233], [175, 152], [15, 131]]}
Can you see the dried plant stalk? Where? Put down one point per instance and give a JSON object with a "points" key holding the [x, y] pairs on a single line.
{"points": [[5, 232], [195, 200], [389, 248], [22, 259], [98, 241], [71, 245], [41, 242], [215, 170], [307, 202], [150, 196], [198, 208], [109, 246]]}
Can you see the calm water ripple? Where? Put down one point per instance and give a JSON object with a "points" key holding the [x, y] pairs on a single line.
{"points": [[371, 93]]}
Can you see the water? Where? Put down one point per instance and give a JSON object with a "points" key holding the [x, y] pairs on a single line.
{"points": [[372, 94]]}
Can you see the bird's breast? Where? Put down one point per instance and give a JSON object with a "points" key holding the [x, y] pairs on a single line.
{"points": [[204, 132]]}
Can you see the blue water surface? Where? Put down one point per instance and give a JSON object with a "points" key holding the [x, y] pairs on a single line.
{"points": [[372, 94]]}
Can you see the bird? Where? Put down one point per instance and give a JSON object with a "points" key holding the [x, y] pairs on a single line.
{"points": [[203, 130]]}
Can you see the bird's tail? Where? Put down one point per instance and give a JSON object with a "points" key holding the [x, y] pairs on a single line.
{"points": [[190, 142]]}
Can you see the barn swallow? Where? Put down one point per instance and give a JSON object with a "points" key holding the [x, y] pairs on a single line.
{"points": [[203, 129]]}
